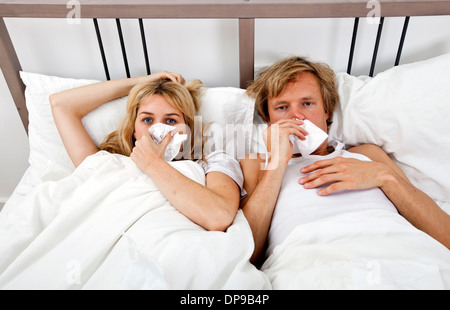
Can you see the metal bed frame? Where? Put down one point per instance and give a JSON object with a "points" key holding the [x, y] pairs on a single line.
{"points": [[246, 11]]}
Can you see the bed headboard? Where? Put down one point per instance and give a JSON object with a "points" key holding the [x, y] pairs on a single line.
{"points": [[246, 11]]}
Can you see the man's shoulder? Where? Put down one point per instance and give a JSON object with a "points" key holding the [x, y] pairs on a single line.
{"points": [[372, 151]]}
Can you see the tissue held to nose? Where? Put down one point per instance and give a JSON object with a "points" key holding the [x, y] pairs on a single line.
{"points": [[159, 131], [314, 139]]}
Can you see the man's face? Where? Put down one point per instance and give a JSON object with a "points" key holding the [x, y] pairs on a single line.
{"points": [[301, 99]]}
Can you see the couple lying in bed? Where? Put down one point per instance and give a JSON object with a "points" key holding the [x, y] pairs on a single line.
{"points": [[282, 189]]}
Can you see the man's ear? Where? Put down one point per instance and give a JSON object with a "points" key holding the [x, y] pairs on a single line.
{"points": [[327, 115]]}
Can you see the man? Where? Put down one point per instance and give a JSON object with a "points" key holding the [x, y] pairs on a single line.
{"points": [[292, 189]]}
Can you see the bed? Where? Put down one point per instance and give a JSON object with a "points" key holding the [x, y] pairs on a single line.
{"points": [[142, 242]]}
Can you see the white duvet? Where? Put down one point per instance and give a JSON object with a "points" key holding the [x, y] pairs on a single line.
{"points": [[360, 250], [106, 226]]}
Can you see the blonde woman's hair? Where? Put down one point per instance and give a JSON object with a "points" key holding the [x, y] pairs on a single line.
{"points": [[272, 81], [182, 97]]}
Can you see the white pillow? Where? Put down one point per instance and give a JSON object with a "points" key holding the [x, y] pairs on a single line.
{"points": [[405, 110], [49, 159], [228, 112]]}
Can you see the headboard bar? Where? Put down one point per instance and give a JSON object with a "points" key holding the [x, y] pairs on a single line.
{"points": [[402, 40], [102, 50], [122, 46], [377, 44], [246, 51], [352, 46], [144, 46], [221, 9]]}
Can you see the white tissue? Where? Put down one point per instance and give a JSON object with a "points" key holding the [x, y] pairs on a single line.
{"points": [[314, 139], [159, 131]]}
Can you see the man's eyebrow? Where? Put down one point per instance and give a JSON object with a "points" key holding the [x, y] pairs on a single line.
{"points": [[279, 102], [282, 101], [307, 98]]}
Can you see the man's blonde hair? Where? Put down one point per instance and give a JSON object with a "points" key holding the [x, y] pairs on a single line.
{"points": [[272, 81], [182, 97]]}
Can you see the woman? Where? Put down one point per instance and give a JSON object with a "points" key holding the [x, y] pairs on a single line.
{"points": [[157, 98]]}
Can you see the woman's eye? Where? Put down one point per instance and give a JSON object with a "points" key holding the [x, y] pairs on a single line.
{"points": [[308, 104], [282, 108], [147, 120], [171, 121]]}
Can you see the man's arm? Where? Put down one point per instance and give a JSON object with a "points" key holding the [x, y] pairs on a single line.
{"points": [[262, 183], [262, 187]]}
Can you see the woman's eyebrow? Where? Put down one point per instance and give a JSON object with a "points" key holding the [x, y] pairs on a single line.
{"points": [[172, 114], [167, 114]]}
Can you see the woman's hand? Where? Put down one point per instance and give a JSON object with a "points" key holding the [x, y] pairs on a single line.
{"points": [[276, 138], [146, 152], [174, 77], [343, 174]]}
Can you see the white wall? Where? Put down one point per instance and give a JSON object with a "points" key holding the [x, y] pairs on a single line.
{"points": [[204, 49]]}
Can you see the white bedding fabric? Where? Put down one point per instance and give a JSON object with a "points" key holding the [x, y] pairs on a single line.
{"points": [[360, 250], [106, 226]]}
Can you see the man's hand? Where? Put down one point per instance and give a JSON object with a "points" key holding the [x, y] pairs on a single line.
{"points": [[343, 174]]}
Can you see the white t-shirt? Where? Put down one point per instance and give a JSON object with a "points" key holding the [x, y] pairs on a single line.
{"points": [[297, 205], [222, 162]]}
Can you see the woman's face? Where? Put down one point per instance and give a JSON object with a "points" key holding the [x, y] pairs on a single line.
{"points": [[156, 109]]}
